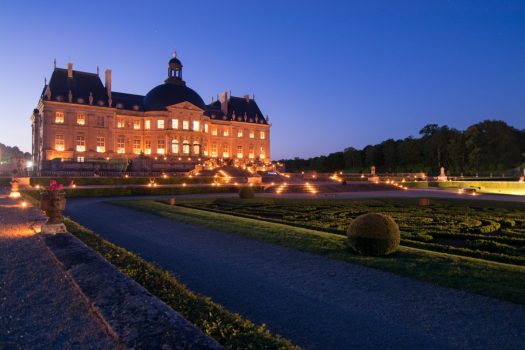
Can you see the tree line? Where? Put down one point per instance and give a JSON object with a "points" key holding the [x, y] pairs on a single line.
{"points": [[10, 154], [483, 148]]}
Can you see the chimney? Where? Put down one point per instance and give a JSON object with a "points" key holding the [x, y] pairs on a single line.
{"points": [[108, 81], [247, 98], [224, 102], [70, 70]]}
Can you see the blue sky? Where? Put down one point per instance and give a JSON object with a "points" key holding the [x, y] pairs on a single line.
{"points": [[330, 74]]}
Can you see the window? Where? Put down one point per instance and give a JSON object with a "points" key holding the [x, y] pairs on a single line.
{"points": [[262, 154], [225, 151], [174, 123], [136, 146], [251, 152], [206, 128], [160, 124], [59, 142], [214, 150], [120, 123], [262, 135], [147, 146], [204, 150], [136, 124], [80, 159], [252, 134], [185, 125], [121, 149], [101, 144], [196, 148], [226, 132], [100, 120], [186, 147], [214, 131], [161, 146], [239, 133], [81, 119], [175, 146], [196, 125], [80, 143], [147, 124], [239, 152], [59, 117]]}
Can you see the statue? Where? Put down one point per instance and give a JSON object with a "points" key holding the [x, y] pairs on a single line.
{"points": [[373, 170], [442, 176]]}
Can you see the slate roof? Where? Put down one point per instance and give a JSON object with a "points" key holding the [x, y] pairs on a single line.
{"points": [[239, 109], [122, 100]]}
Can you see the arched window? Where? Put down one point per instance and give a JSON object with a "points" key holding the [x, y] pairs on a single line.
{"points": [[186, 147], [175, 146], [196, 148]]}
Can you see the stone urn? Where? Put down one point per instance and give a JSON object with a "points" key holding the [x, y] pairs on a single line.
{"points": [[53, 203], [14, 186]]}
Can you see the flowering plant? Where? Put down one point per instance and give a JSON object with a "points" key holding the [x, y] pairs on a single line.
{"points": [[54, 186]]}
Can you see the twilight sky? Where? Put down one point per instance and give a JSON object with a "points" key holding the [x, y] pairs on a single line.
{"points": [[330, 74]]}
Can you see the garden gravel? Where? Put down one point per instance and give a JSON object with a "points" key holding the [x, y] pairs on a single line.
{"points": [[318, 303]]}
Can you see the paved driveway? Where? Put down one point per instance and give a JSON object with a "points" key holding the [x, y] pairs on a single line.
{"points": [[316, 302]]}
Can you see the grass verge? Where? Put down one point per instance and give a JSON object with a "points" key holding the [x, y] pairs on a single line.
{"points": [[229, 329], [492, 279]]}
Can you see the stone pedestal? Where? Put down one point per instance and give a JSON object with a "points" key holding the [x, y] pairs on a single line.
{"points": [[442, 176], [53, 228], [373, 178], [522, 179]]}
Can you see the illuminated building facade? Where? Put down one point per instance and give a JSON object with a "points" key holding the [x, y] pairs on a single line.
{"points": [[79, 119]]}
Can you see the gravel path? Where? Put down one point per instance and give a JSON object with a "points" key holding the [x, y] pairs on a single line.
{"points": [[39, 309], [316, 302]]}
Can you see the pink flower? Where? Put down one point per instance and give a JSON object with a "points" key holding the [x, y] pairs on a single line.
{"points": [[53, 185]]}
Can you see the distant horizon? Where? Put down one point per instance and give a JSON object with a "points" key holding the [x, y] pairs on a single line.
{"points": [[329, 76]]}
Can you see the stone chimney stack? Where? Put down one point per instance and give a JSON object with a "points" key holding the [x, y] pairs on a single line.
{"points": [[224, 102], [108, 81], [70, 70]]}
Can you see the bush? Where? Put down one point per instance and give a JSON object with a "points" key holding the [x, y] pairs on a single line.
{"points": [[374, 234], [246, 193]]}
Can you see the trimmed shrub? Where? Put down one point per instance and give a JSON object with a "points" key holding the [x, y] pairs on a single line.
{"points": [[374, 234], [246, 193]]}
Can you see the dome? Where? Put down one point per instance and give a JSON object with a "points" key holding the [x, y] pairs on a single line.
{"points": [[175, 63], [169, 94]]}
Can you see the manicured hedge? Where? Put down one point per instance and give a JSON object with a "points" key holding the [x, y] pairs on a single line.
{"points": [[5, 181], [229, 329], [94, 181], [495, 187]]}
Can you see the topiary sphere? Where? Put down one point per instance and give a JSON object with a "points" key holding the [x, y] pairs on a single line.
{"points": [[246, 193], [374, 234]]}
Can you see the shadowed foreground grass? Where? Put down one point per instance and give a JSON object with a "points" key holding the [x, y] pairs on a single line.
{"points": [[502, 281]]}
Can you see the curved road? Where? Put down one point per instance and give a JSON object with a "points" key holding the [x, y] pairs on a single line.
{"points": [[316, 302]]}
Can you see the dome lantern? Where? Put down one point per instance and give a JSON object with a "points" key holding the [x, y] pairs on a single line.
{"points": [[174, 70]]}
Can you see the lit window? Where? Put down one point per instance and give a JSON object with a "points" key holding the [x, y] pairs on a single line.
{"points": [[175, 146], [262, 135], [100, 120], [174, 123], [80, 143], [185, 125], [206, 128], [136, 124], [120, 123], [101, 144], [226, 132], [161, 146], [225, 151], [262, 154], [196, 125], [214, 131], [80, 159], [214, 150], [239, 152], [239, 133], [120, 145], [147, 146], [136, 146], [147, 124], [196, 148], [204, 150], [251, 153], [186, 147], [59, 142], [81, 119], [252, 134], [59, 117], [160, 124]]}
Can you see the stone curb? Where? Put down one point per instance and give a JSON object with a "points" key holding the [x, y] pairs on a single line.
{"points": [[136, 318]]}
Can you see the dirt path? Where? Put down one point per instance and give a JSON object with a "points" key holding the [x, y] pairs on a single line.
{"points": [[316, 302], [39, 309]]}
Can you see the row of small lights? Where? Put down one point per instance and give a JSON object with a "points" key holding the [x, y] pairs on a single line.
{"points": [[311, 188], [281, 188], [396, 184]]}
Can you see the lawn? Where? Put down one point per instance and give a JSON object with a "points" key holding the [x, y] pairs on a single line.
{"points": [[503, 281]]}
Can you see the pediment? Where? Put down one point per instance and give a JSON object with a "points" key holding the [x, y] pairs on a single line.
{"points": [[185, 105]]}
